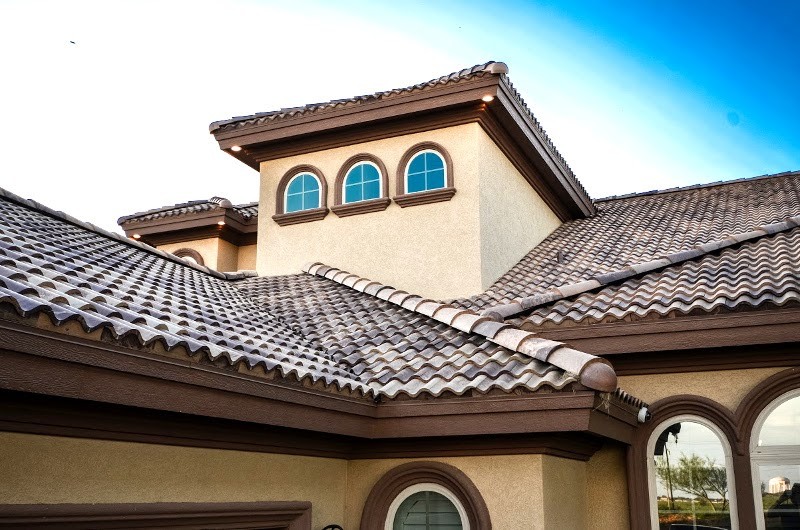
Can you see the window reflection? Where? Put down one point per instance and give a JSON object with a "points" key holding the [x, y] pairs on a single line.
{"points": [[780, 495], [691, 478], [782, 427]]}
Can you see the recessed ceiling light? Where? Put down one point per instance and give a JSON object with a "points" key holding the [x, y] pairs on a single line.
{"points": [[236, 148], [136, 236], [487, 98], [221, 223]]}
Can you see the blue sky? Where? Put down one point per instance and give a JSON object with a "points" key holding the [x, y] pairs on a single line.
{"points": [[636, 95]]}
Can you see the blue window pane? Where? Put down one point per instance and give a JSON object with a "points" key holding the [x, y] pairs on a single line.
{"points": [[354, 176], [416, 182], [296, 185], [294, 203], [433, 161], [310, 183], [310, 200], [370, 173], [436, 179], [417, 164], [372, 190], [352, 193]]}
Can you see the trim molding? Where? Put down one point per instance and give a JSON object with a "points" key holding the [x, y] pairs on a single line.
{"points": [[348, 164], [356, 208], [190, 253], [272, 515], [390, 485], [303, 216], [425, 197]]}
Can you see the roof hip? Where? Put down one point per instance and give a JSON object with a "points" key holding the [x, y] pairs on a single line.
{"points": [[594, 372]]}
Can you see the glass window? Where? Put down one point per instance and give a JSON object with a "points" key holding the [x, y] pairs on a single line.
{"points": [[426, 171], [427, 510], [302, 193], [362, 183], [775, 456], [690, 477]]}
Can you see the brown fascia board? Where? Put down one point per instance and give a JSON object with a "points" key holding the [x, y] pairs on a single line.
{"points": [[188, 227], [743, 328], [452, 104], [41, 361]]}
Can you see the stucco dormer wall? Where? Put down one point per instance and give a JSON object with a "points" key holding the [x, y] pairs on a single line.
{"points": [[439, 250]]}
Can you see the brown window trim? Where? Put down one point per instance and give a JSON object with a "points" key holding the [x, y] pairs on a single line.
{"points": [[191, 253], [356, 208], [376, 507], [404, 199], [304, 216], [274, 515]]}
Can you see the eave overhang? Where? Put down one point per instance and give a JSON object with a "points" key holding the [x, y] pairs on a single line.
{"points": [[221, 222], [506, 119]]}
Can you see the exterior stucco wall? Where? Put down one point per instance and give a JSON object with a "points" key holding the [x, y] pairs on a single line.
{"points": [[218, 254], [208, 248], [431, 249], [247, 258], [726, 387], [49, 470], [564, 493], [440, 250], [513, 217], [607, 489], [227, 257]]}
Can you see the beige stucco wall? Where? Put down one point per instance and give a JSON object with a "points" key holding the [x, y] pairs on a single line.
{"points": [[208, 248], [521, 491], [513, 217], [47, 469], [607, 489], [726, 387], [435, 249], [247, 258], [218, 254]]}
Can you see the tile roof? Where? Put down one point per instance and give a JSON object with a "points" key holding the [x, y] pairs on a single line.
{"points": [[758, 273], [479, 70], [247, 212], [634, 232], [339, 332]]}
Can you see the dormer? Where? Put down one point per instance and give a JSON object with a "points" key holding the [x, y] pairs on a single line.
{"points": [[438, 188]]}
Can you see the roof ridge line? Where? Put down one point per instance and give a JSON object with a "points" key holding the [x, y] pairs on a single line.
{"points": [[41, 208], [233, 207], [501, 312], [690, 187], [592, 371], [489, 67]]}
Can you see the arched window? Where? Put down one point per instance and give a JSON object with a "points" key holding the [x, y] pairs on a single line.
{"points": [[425, 171], [362, 183], [775, 457], [190, 255], [425, 495], [302, 193], [426, 506], [690, 475], [424, 175]]}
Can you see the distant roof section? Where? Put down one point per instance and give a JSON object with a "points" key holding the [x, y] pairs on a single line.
{"points": [[246, 211], [188, 221], [481, 94], [636, 231]]}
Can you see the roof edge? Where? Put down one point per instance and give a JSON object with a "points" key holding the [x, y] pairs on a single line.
{"points": [[678, 189], [592, 371], [501, 312], [61, 216]]}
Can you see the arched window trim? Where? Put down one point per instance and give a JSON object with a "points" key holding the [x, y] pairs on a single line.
{"points": [[425, 486], [726, 447], [190, 253], [289, 185], [786, 454], [403, 198], [303, 216], [398, 479], [342, 209]]}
